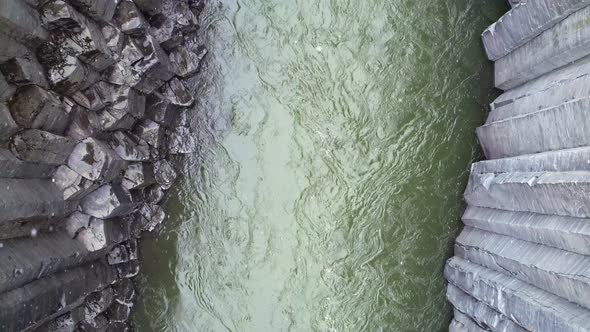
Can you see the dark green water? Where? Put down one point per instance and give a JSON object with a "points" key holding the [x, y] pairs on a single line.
{"points": [[336, 140]]}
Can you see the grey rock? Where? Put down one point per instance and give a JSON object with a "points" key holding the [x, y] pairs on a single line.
{"points": [[186, 62], [149, 216], [119, 312], [42, 300], [152, 133], [6, 89], [21, 22], [181, 141], [114, 39], [72, 185], [12, 167], [138, 175], [558, 193], [40, 146], [111, 119], [121, 74], [154, 68], [64, 323], [7, 125], [525, 22], [129, 19], [480, 312], [567, 233], [57, 14], [150, 7], [124, 291], [161, 110], [11, 49], [76, 222], [163, 28], [98, 302], [164, 173], [108, 201], [128, 270], [533, 308], [102, 234], [464, 323], [83, 124], [559, 272], [24, 71], [95, 161], [130, 147], [567, 40], [99, 323], [118, 327], [176, 93], [101, 10], [69, 75], [118, 255], [561, 127], [569, 83], [153, 194], [35, 107]]}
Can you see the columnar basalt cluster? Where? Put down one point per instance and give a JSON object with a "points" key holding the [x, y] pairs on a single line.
{"points": [[93, 103], [522, 263]]}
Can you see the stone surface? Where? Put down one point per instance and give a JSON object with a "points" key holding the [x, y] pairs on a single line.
{"points": [[566, 42], [35, 107], [464, 323], [181, 141], [102, 10], [69, 75], [525, 22], [138, 175], [153, 194], [186, 62], [561, 127], [45, 299], [83, 124], [108, 201], [130, 147], [129, 19], [71, 184], [124, 291], [567, 233], [160, 110], [155, 68], [480, 312], [11, 48], [153, 134], [118, 255], [102, 234], [7, 124], [12, 167], [38, 257], [98, 302], [164, 173], [539, 192], [119, 312], [58, 14], [40, 146], [176, 93], [95, 161], [533, 308], [21, 22], [6, 89], [99, 323], [22, 199], [24, 71], [128, 270], [556, 271]]}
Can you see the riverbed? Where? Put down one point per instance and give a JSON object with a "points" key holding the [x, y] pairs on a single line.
{"points": [[335, 143]]}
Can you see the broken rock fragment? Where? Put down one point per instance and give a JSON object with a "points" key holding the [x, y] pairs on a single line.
{"points": [[83, 123], [186, 62], [24, 71], [176, 93], [108, 201], [95, 161], [129, 19], [130, 147], [138, 175], [21, 22], [71, 184], [35, 107], [164, 173], [40, 146]]}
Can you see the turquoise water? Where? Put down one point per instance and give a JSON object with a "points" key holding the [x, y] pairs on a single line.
{"points": [[336, 138]]}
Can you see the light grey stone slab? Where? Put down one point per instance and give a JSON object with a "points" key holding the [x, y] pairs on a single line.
{"points": [[480, 312], [96, 161], [463, 323], [576, 159], [561, 127], [555, 88], [45, 299], [559, 272], [528, 306], [559, 193], [108, 201], [525, 21], [567, 233], [564, 43]]}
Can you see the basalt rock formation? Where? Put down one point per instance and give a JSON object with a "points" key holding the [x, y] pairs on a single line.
{"points": [[522, 263], [93, 102]]}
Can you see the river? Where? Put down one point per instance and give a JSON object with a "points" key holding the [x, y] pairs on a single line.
{"points": [[335, 141]]}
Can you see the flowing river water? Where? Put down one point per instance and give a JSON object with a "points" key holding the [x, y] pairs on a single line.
{"points": [[335, 141]]}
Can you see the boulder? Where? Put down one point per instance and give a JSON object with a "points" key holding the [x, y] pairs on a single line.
{"points": [[99, 323], [176, 93], [153, 134], [164, 173], [6, 89], [128, 270], [129, 147], [186, 62], [76, 222], [121, 74], [102, 234], [124, 291], [37, 108], [154, 67], [71, 184], [129, 19], [7, 124], [118, 255], [24, 71], [95, 161], [100, 10], [40, 146], [181, 141], [153, 194], [21, 22], [83, 124], [119, 312], [69, 75], [98, 302], [108, 201], [12, 167], [57, 14], [161, 110], [11, 48], [138, 175]]}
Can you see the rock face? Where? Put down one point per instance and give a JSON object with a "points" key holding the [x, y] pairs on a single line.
{"points": [[93, 104], [522, 261]]}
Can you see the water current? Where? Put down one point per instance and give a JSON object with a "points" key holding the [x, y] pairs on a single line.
{"points": [[335, 142]]}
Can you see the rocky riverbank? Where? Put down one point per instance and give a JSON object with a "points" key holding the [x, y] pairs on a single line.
{"points": [[94, 96]]}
